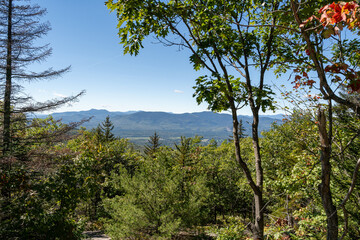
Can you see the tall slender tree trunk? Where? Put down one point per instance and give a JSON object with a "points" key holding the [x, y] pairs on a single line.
{"points": [[258, 232], [258, 228], [325, 139], [8, 86], [324, 187], [258, 224]]}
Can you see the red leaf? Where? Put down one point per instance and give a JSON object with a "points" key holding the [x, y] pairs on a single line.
{"points": [[337, 17], [355, 86], [336, 7]]}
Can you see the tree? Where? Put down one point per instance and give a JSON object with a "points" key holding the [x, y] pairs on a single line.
{"points": [[333, 58], [291, 152], [103, 132], [220, 41], [107, 126], [97, 161], [153, 145], [291, 159], [19, 28], [22, 141], [343, 59]]}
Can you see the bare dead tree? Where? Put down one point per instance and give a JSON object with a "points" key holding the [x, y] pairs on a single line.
{"points": [[20, 26]]}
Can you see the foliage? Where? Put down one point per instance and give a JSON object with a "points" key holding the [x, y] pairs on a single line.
{"points": [[97, 157], [51, 187], [218, 38], [232, 229], [153, 145], [181, 187], [39, 207], [44, 197], [31, 206], [157, 199], [293, 176], [334, 17], [217, 162]]}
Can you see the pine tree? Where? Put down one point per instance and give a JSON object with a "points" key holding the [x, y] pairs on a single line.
{"points": [[153, 145], [19, 29], [106, 128], [183, 151], [241, 130]]}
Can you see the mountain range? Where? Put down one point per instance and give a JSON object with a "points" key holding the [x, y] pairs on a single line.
{"points": [[139, 125]]}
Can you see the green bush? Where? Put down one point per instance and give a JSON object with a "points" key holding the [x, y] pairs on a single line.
{"points": [[158, 201], [38, 208], [232, 229]]}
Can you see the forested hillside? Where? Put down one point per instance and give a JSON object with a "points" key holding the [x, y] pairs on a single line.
{"points": [[226, 176], [138, 126]]}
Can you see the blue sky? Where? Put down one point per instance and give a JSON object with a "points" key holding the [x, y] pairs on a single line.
{"points": [[84, 35]]}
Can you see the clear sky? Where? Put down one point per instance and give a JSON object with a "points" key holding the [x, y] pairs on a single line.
{"points": [[84, 35]]}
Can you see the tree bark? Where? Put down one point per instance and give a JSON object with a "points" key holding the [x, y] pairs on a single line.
{"points": [[8, 86], [258, 231], [258, 224], [324, 187], [258, 228]]}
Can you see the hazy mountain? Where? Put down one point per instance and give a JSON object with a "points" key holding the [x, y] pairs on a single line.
{"points": [[98, 115], [138, 126]]}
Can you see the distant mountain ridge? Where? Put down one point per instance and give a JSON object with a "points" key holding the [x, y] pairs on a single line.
{"points": [[139, 125]]}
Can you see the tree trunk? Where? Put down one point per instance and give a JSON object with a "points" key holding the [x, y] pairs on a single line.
{"points": [[258, 224], [258, 231], [258, 228], [8, 86], [324, 187]]}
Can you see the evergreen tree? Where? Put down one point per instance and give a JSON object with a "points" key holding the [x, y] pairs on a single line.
{"points": [[153, 145], [241, 130], [183, 151], [106, 128]]}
